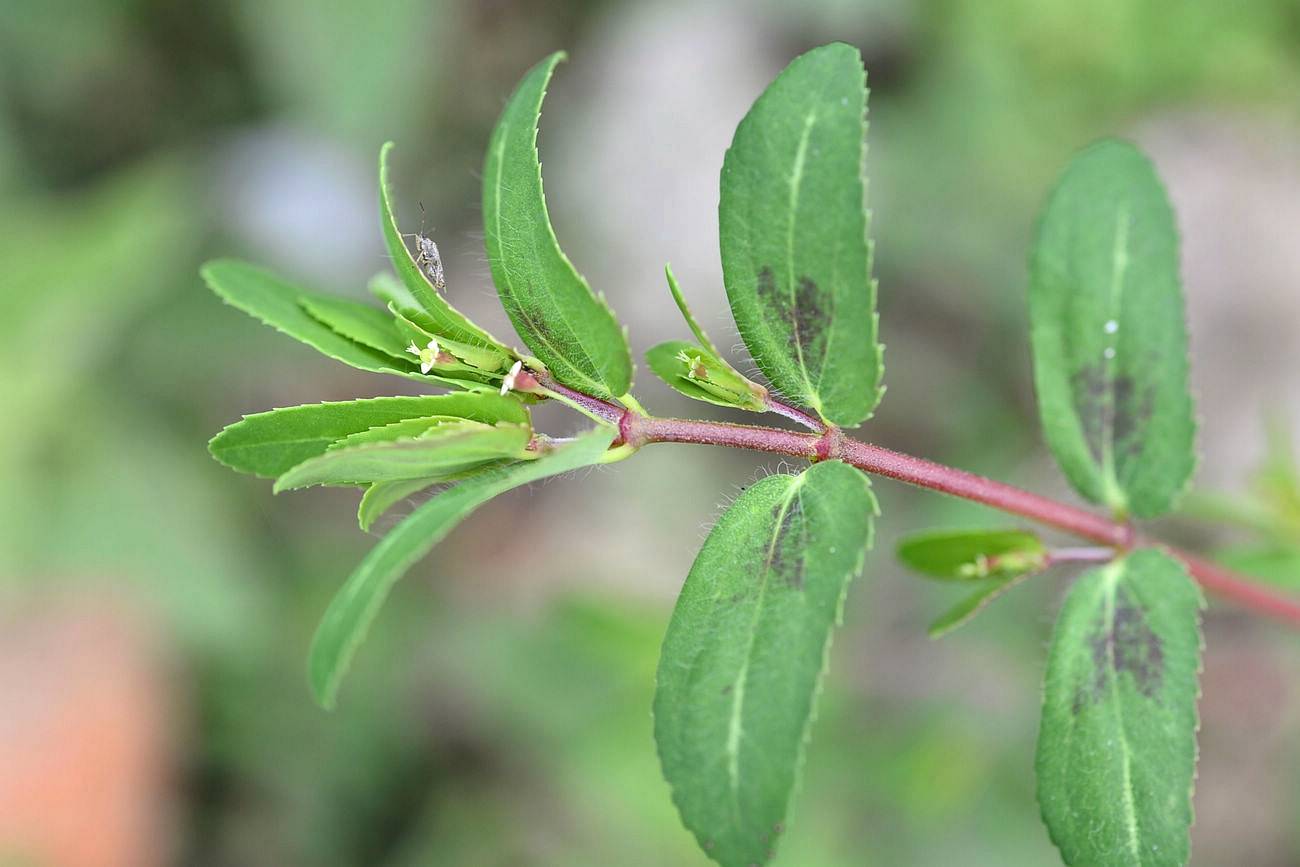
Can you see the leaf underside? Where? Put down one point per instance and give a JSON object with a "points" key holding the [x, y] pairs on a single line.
{"points": [[1117, 747], [1109, 335], [745, 651], [796, 259], [570, 329], [444, 451], [382, 496]]}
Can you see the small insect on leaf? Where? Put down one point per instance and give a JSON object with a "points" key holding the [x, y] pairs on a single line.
{"points": [[421, 282], [427, 257]]}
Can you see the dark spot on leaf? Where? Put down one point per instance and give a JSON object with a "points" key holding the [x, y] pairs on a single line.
{"points": [[1132, 413], [778, 828], [1111, 409], [805, 313], [786, 558], [811, 314], [1127, 644], [726, 690], [767, 286]]}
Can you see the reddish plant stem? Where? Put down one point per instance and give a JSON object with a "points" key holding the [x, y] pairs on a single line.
{"points": [[637, 430], [1080, 555], [1228, 585], [795, 414], [592, 406]]}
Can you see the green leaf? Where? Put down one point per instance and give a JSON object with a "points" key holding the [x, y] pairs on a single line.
{"points": [[793, 229], [700, 371], [987, 589], [443, 320], [279, 304], [360, 323], [406, 429], [675, 288], [964, 555], [441, 452], [571, 330], [1109, 337], [697, 373], [382, 496], [350, 614], [1117, 746], [454, 358], [745, 651], [271, 443]]}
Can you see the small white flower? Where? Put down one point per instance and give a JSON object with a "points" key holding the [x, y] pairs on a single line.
{"points": [[427, 356], [509, 382]]}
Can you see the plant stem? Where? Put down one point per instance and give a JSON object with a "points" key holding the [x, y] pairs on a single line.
{"points": [[1080, 555], [637, 430], [794, 414]]}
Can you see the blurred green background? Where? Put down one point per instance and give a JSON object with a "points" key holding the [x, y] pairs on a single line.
{"points": [[155, 609]]}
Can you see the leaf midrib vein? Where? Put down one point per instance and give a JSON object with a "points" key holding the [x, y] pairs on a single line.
{"points": [[1119, 270], [1126, 758], [735, 726], [796, 181]]}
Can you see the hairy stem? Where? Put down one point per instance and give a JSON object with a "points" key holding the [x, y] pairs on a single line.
{"points": [[637, 430], [794, 414]]}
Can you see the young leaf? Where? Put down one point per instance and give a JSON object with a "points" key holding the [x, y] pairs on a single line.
{"points": [[264, 296], [964, 555], [1117, 746], [441, 452], [987, 589], [793, 229], [443, 319], [360, 323], [745, 651], [408, 428], [453, 358], [571, 330], [675, 288], [271, 443], [1109, 338], [350, 614], [700, 371], [697, 373]]}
